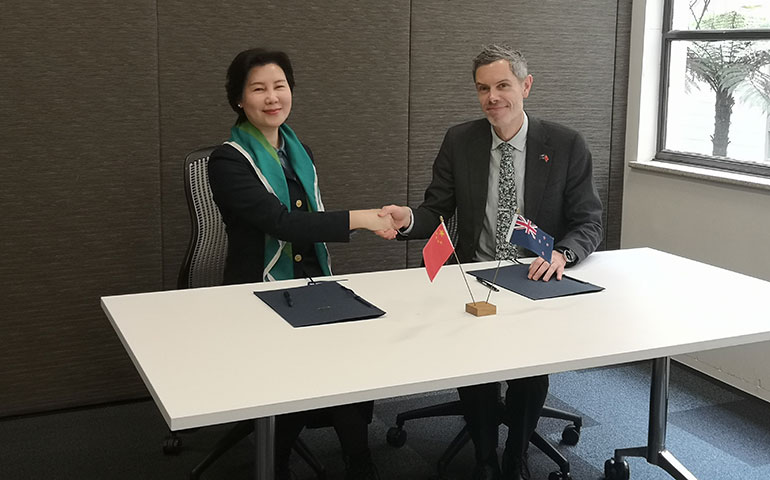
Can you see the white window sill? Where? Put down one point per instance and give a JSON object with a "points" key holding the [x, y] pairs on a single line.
{"points": [[701, 173]]}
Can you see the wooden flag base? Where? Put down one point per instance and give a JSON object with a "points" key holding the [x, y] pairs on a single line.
{"points": [[481, 309]]}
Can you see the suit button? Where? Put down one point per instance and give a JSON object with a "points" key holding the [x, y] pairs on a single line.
{"points": [[299, 204], [298, 258]]}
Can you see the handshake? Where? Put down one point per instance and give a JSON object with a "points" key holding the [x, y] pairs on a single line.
{"points": [[385, 222]]}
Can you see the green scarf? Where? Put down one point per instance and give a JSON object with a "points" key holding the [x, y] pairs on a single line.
{"points": [[247, 139]]}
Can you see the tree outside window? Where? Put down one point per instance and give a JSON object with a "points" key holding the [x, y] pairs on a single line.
{"points": [[716, 84]]}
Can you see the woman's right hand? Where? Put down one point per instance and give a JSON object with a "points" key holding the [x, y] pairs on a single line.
{"points": [[371, 220]]}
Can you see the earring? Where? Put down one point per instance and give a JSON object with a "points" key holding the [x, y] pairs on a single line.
{"points": [[239, 106]]}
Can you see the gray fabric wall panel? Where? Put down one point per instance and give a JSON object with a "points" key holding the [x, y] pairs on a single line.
{"points": [[582, 43], [570, 50], [100, 103], [79, 190], [195, 44], [350, 103]]}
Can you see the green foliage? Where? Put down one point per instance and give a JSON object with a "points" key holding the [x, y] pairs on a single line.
{"points": [[732, 67]]}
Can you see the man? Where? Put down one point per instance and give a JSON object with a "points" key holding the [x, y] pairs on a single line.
{"points": [[487, 170]]}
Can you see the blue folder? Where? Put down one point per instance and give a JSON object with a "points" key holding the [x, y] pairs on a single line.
{"points": [[318, 303], [514, 278]]}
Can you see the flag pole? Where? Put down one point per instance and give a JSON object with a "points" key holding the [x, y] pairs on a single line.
{"points": [[494, 279], [458, 261], [515, 259], [515, 255], [478, 309]]}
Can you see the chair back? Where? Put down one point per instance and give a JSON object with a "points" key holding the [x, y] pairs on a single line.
{"points": [[204, 262], [451, 228]]}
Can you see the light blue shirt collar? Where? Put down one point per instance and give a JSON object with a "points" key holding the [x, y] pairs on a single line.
{"points": [[519, 141]]}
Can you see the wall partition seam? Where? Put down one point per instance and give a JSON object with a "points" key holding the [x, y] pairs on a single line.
{"points": [[409, 122], [162, 271]]}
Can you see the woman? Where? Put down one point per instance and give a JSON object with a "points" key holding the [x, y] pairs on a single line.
{"points": [[265, 185]]}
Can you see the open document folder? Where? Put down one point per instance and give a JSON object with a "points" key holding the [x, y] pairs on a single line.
{"points": [[514, 278], [318, 303]]}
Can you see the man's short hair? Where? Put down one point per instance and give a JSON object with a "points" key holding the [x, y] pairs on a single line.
{"points": [[494, 52]]}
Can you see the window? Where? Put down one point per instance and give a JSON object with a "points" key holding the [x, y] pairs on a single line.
{"points": [[715, 85]]}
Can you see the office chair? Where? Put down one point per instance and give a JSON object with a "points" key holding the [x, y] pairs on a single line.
{"points": [[396, 436], [203, 266], [204, 262]]}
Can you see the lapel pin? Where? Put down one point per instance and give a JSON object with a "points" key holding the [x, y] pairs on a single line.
{"points": [[544, 157]]}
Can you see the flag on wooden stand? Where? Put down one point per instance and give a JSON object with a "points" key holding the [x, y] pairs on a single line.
{"points": [[526, 234], [437, 251]]}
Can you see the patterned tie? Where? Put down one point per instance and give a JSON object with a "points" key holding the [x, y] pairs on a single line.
{"points": [[506, 206]]}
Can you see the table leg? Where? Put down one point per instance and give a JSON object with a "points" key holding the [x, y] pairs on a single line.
{"points": [[264, 436], [655, 452]]}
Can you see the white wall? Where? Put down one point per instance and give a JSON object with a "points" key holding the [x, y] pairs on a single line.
{"points": [[685, 212]]}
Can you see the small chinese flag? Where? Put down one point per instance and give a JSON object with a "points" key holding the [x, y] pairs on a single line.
{"points": [[437, 251]]}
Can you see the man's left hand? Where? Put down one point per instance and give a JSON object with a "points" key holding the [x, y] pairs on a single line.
{"points": [[539, 268]]}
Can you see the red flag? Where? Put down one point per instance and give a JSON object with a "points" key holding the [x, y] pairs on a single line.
{"points": [[437, 250]]}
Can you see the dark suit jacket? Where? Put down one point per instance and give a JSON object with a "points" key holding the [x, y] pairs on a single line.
{"points": [[559, 195], [250, 211]]}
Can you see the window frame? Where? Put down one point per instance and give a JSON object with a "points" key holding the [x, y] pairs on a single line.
{"points": [[669, 36]]}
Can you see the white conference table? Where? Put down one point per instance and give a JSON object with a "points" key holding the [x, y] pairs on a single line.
{"points": [[216, 355]]}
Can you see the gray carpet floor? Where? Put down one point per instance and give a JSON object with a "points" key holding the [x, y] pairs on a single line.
{"points": [[716, 431]]}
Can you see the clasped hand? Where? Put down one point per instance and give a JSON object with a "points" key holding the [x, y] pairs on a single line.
{"points": [[373, 220], [400, 217]]}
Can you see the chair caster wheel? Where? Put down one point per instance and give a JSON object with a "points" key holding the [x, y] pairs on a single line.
{"points": [[616, 470], [570, 435], [396, 437], [172, 445], [559, 476]]}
